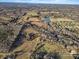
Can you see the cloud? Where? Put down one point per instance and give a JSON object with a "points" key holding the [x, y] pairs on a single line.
{"points": [[45, 1]]}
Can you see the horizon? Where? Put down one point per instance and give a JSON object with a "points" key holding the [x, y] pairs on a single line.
{"points": [[72, 2]]}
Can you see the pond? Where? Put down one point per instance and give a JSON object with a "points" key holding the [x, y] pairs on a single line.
{"points": [[47, 19]]}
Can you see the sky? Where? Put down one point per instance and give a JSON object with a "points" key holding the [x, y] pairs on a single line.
{"points": [[44, 1]]}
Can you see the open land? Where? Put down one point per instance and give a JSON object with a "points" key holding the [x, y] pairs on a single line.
{"points": [[39, 31]]}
